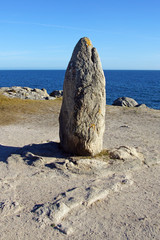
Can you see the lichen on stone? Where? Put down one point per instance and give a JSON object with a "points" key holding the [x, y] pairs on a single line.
{"points": [[93, 126], [88, 42]]}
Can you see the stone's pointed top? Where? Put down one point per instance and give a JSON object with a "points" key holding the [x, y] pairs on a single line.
{"points": [[85, 41], [88, 41], [83, 45], [84, 55]]}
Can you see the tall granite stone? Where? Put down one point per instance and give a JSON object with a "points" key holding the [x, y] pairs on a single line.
{"points": [[82, 116]]}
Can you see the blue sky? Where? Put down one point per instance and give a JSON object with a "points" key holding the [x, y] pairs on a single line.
{"points": [[36, 34]]}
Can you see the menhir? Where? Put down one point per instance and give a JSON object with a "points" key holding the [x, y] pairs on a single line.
{"points": [[82, 116]]}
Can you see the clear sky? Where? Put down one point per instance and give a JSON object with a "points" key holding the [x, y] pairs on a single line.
{"points": [[41, 34]]}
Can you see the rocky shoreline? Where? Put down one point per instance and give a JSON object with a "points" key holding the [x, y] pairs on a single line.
{"points": [[30, 93], [42, 94]]}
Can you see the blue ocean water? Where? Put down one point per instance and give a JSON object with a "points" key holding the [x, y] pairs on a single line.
{"points": [[143, 86]]}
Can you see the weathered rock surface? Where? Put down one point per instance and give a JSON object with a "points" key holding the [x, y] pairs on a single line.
{"points": [[125, 102], [56, 93], [26, 93], [119, 159], [72, 199], [141, 106], [125, 152], [82, 116]]}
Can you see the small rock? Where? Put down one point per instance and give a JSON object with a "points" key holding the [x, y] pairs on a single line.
{"points": [[141, 106], [56, 93], [125, 153], [125, 102]]}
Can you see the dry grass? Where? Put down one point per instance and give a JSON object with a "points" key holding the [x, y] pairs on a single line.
{"points": [[103, 153], [13, 110]]}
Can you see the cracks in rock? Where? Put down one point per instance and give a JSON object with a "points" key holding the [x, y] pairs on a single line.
{"points": [[93, 55], [77, 198]]}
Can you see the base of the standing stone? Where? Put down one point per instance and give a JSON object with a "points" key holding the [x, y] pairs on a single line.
{"points": [[81, 149]]}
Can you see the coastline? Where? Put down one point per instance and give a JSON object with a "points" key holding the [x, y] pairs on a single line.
{"points": [[141, 85]]}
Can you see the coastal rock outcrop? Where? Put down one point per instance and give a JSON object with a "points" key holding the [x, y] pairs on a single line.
{"points": [[26, 93], [82, 116], [125, 102], [56, 93]]}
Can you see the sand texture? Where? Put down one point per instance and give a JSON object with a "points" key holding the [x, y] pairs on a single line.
{"points": [[48, 194]]}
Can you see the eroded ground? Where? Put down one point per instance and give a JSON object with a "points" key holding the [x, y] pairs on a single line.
{"points": [[47, 194]]}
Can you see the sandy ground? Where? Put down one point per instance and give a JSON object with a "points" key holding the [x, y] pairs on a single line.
{"points": [[47, 194]]}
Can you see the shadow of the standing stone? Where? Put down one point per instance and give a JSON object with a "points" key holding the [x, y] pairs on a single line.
{"points": [[6, 151], [34, 152]]}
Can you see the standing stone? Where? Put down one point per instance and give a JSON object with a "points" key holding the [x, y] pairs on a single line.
{"points": [[82, 116]]}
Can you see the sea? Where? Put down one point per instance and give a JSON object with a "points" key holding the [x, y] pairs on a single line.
{"points": [[141, 85]]}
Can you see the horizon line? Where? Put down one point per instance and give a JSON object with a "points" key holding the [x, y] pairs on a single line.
{"points": [[62, 69]]}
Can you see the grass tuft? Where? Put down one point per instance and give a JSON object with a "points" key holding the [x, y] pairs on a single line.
{"points": [[103, 154]]}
